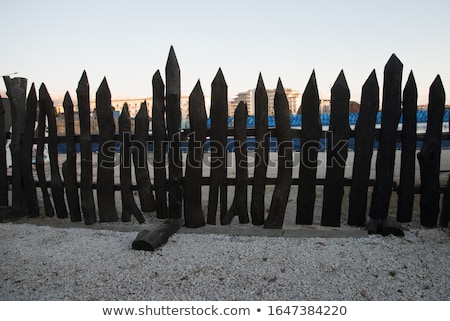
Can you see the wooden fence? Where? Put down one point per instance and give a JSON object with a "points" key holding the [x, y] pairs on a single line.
{"points": [[179, 195]]}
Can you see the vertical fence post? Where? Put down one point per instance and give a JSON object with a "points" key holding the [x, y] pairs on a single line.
{"points": [[27, 154], [173, 112], [391, 110], [16, 92], [140, 159], [192, 191], [218, 143], [408, 158], [129, 206], [309, 146], [364, 139], [84, 109], [337, 151], [257, 208], [283, 183], [159, 137], [430, 157], [239, 205], [56, 183], [107, 211], [3, 166], [69, 167]]}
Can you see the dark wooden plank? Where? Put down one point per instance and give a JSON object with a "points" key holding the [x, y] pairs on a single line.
{"points": [[444, 218], [140, 159], [408, 159], [159, 137], [69, 167], [152, 240], [173, 113], [129, 206], [257, 206], [391, 110], [84, 109], [282, 188], [430, 157], [337, 151], [107, 211], [192, 191], [4, 199], [239, 206], [29, 184], [56, 183], [309, 146], [364, 140], [219, 126]]}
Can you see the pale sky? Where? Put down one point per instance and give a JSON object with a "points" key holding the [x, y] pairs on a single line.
{"points": [[128, 41]]}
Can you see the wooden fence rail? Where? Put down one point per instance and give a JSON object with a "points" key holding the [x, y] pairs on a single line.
{"points": [[178, 195]]}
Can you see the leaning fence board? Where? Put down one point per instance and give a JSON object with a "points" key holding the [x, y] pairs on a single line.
{"points": [[430, 157], [56, 183], [364, 139], [408, 158], [3, 166], [69, 167], [257, 206], [309, 146], [337, 150], [192, 191], [280, 195], [219, 126], [84, 109], [159, 155]]}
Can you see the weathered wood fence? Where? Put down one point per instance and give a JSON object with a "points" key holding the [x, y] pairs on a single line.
{"points": [[177, 196]]}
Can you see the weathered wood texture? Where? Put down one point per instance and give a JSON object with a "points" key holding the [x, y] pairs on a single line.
{"points": [[283, 183], [107, 211], [4, 199], [84, 110], [152, 240], [309, 146], [140, 159], [430, 157], [337, 150], [257, 206], [56, 182], [69, 167], [239, 206], [159, 154], [408, 158], [173, 121], [192, 191], [218, 143], [364, 140]]}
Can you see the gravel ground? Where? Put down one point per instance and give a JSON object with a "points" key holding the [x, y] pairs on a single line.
{"points": [[50, 263]]}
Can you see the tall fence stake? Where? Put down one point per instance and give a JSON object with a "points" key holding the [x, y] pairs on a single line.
{"points": [[3, 166]]}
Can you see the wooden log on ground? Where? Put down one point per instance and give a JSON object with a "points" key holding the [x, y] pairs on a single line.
{"points": [[69, 167], [56, 183], [129, 206], [408, 159], [84, 109], [173, 113], [192, 191], [140, 159], [239, 206], [29, 184], [159, 137], [218, 143], [107, 211], [391, 110], [257, 207], [337, 151], [4, 186], [283, 183], [430, 157], [309, 147], [152, 240], [364, 140]]}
